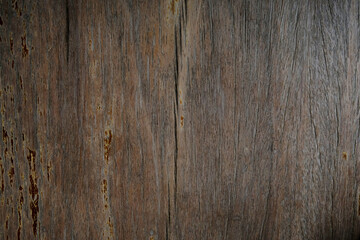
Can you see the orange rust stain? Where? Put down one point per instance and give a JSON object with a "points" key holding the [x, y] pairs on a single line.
{"points": [[104, 190], [33, 190], [172, 6], [181, 101], [11, 175], [344, 155], [5, 136], [34, 213], [25, 50], [11, 45], [107, 145], [182, 121], [48, 171], [31, 159], [111, 227], [21, 202]]}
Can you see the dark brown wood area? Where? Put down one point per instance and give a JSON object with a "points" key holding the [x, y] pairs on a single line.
{"points": [[179, 119]]}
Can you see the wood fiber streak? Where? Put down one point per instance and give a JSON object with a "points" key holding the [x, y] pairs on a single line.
{"points": [[179, 119]]}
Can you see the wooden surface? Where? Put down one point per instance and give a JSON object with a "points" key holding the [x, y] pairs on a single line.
{"points": [[179, 119]]}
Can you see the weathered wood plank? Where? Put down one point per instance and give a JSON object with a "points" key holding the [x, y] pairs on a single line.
{"points": [[179, 119]]}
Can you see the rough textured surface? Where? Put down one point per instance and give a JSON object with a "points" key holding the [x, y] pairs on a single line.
{"points": [[179, 119]]}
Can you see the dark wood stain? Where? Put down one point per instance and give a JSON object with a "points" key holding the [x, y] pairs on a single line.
{"points": [[25, 50], [11, 45], [2, 175]]}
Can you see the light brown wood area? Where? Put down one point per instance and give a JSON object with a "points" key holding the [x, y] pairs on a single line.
{"points": [[179, 119]]}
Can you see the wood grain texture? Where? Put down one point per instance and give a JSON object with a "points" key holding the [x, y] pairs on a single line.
{"points": [[179, 119]]}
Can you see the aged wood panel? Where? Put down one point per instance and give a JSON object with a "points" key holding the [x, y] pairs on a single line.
{"points": [[179, 119]]}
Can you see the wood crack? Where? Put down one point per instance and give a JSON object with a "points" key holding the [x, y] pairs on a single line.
{"points": [[67, 33]]}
